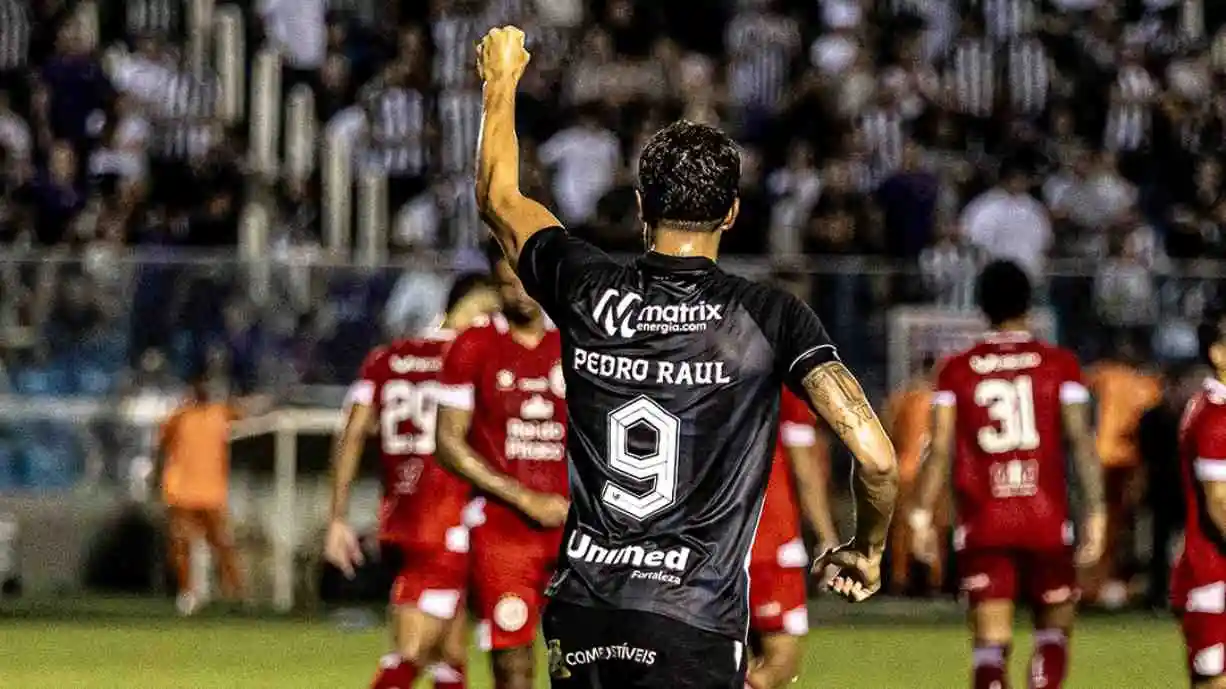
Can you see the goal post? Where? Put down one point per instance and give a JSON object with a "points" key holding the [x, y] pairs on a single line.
{"points": [[917, 331], [285, 426]]}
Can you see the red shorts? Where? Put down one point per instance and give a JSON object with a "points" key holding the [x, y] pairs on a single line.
{"points": [[778, 602], [507, 585], [1039, 577], [429, 578], [1202, 619]]}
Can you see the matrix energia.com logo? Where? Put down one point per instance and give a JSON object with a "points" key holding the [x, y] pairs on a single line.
{"points": [[623, 314]]}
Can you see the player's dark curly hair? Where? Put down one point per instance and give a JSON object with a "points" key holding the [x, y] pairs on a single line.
{"points": [[689, 175], [463, 286], [1003, 292]]}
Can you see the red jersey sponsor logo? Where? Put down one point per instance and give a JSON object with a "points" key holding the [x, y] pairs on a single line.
{"points": [[518, 405]]}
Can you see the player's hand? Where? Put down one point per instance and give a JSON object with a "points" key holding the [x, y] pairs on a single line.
{"points": [[826, 574], [501, 55], [341, 548], [859, 575], [1093, 540], [546, 509]]}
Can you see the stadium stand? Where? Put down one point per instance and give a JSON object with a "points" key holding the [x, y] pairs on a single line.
{"points": [[268, 189]]}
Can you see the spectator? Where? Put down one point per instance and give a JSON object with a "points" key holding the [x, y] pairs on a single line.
{"points": [[297, 28], [1007, 222], [73, 92], [908, 199], [585, 159], [1124, 390]]}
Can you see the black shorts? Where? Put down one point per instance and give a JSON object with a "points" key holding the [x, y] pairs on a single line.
{"points": [[628, 649]]}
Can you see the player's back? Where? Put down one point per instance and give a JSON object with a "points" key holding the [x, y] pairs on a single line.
{"points": [[1010, 478], [1202, 450], [421, 500], [673, 371]]}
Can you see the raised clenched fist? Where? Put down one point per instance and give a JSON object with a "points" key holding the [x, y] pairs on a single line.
{"points": [[501, 54]]}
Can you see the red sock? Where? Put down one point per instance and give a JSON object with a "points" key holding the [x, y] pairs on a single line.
{"points": [[991, 667], [394, 673], [447, 676], [1049, 663]]}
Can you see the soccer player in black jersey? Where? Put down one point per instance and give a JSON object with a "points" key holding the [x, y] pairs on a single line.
{"points": [[672, 372]]}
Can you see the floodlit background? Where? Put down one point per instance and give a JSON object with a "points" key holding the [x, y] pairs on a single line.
{"points": [[265, 190]]}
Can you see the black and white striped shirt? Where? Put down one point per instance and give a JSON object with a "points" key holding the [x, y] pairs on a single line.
{"points": [[463, 225], [397, 132], [455, 58], [14, 35], [153, 17], [459, 117], [183, 129], [1008, 19], [761, 48], [1130, 115], [949, 272], [970, 77], [1029, 77], [884, 137]]}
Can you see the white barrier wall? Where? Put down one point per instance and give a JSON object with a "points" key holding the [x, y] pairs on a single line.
{"points": [[229, 55]]}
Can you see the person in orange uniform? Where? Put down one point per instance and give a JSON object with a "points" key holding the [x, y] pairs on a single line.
{"points": [[195, 477], [908, 414], [1124, 391]]}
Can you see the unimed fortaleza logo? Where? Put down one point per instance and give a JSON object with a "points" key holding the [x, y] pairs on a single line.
{"points": [[624, 314], [656, 564]]}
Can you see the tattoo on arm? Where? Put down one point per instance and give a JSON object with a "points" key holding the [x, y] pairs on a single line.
{"points": [[458, 457], [838, 398], [1089, 469]]}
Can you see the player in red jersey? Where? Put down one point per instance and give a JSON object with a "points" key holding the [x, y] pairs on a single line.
{"points": [[502, 426], [1003, 410], [420, 522], [778, 567], [1198, 584]]}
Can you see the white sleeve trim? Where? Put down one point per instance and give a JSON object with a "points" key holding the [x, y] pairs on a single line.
{"points": [[1210, 470], [944, 398], [797, 434], [456, 396], [811, 350], [1072, 392], [361, 392]]}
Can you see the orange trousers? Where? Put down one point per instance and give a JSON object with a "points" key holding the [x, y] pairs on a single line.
{"points": [[188, 524]]}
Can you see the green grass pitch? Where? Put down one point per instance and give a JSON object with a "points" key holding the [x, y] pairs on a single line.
{"points": [[156, 651]]}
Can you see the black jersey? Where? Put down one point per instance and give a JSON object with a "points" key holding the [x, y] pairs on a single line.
{"points": [[673, 370]]}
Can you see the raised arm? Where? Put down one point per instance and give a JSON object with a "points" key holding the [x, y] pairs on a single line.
{"points": [[501, 59]]}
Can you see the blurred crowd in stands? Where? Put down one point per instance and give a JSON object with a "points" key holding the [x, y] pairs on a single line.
{"points": [[889, 147]]}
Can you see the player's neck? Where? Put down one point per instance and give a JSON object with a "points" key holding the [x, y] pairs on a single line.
{"points": [[683, 243], [1017, 325]]}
